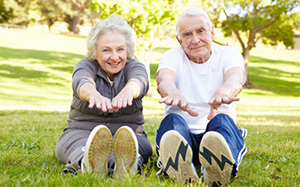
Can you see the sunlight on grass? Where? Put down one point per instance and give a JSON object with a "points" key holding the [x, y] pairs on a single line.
{"points": [[21, 39]]}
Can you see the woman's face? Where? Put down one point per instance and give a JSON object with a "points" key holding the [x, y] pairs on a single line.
{"points": [[111, 53]]}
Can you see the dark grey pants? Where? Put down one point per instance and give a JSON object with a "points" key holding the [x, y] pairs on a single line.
{"points": [[71, 144]]}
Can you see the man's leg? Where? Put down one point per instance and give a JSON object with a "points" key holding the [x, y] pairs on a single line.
{"points": [[224, 125], [173, 145], [221, 150]]}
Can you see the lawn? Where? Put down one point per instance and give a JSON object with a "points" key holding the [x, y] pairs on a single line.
{"points": [[35, 94]]}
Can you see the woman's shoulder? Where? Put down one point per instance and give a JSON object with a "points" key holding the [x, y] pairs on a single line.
{"points": [[132, 62], [85, 62]]}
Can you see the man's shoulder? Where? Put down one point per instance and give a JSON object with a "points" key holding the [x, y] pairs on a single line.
{"points": [[175, 50]]}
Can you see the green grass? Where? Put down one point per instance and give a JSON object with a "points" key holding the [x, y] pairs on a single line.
{"points": [[35, 94]]}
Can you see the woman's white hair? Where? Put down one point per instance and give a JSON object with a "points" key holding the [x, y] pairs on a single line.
{"points": [[193, 11], [113, 23]]}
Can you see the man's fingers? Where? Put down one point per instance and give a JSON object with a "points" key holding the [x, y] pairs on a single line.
{"points": [[222, 100], [192, 112], [167, 100], [212, 113], [162, 100]]}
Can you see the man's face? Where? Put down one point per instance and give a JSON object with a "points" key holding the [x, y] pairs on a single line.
{"points": [[195, 37]]}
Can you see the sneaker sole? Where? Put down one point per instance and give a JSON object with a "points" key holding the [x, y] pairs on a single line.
{"points": [[125, 150], [176, 158], [216, 158], [98, 150]]}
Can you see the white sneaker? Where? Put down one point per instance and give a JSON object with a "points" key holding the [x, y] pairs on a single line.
{"points": [[176, 158], [216, 158], [125, 150], [97, 151]]}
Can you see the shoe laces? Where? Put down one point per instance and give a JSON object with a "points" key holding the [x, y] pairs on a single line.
{"points": [[159, 165]]}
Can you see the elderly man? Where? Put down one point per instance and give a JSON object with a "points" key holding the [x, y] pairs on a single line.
{"points": [[198, 83]]}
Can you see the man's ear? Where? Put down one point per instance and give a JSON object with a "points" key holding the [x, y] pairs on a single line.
{"points": [[179, 40], [212, 32]]}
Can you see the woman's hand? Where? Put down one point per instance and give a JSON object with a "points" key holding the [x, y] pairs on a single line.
{"points": [[96, 99], [131, 91], [123, 99], [88, 92]]}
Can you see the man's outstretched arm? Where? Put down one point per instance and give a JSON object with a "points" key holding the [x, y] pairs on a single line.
{"points": [[227, 93], [168, 91]]}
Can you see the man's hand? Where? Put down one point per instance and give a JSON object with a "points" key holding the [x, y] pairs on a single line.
{"points": [[170, 94], [180, 102], [227, 93], [222, 96]]}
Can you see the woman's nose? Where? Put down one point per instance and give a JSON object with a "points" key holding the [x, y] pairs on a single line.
{"points": [[114, 55]]}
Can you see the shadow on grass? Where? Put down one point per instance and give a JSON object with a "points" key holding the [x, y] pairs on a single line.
{"points": [[60, 61], [10, 71], [272, 79], [36, 66]]}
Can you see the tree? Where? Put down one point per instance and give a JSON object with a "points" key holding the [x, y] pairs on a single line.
{"points": [[51, 11], [74, 15], [251, 21], [5, 14], [150, 20], [21, 11]]}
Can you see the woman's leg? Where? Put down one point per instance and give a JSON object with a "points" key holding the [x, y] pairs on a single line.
{"points": [[70, 148]]}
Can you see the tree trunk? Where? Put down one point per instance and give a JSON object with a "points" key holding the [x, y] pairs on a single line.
{"points": [[246, 53], [74, 24]]}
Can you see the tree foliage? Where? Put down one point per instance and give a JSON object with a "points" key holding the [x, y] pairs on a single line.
{"points": [[5, 14], [50, 11], [250, 21], [21, 11], [150, 20]]}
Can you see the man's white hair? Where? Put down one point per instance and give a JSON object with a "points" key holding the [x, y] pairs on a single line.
{"points": [[193, 11]]}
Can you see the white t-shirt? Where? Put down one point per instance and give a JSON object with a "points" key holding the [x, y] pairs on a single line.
{"points": [[198, 82]]}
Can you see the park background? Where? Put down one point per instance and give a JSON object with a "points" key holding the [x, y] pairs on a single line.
{"points": [[42, 40]]}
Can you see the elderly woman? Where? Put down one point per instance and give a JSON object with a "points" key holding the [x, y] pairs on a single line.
{"points": [[104, 133]]}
